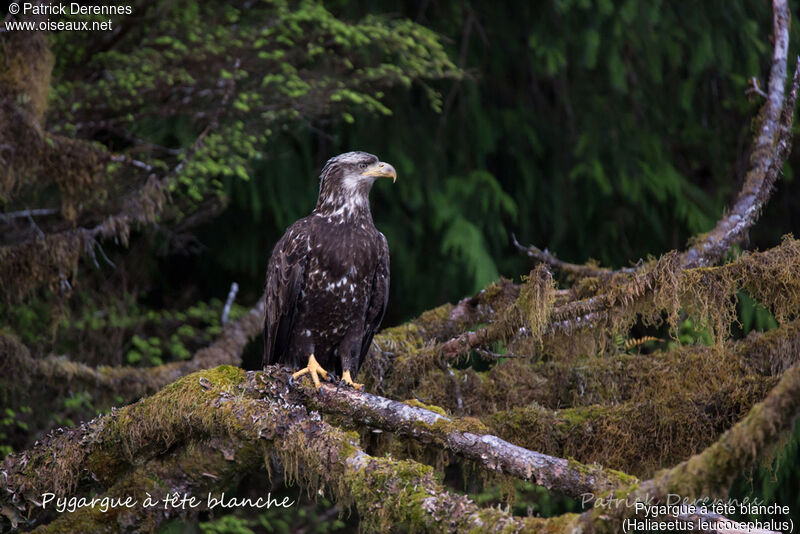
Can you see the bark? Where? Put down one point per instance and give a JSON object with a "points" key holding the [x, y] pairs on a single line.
{"points": [[467, 438]]}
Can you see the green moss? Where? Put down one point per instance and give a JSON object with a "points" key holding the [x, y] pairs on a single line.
{"points": [[390, 495], [165, 418], [430, 407], [460, 424]]}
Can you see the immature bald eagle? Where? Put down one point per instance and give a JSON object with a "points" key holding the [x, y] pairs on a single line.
{"points": [[328, 276]]}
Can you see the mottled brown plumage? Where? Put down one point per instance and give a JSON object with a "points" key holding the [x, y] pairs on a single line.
{"points": [[328, 276]]}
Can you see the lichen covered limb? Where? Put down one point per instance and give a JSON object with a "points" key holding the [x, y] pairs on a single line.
{"points": [[468, 438], [771, 146], [233, 412], [405, 496]]}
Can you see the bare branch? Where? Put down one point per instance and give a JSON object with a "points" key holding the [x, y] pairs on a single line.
{"points": [[572, 269], [38, 212], [469, 440], [767, 159], [229, 302]]}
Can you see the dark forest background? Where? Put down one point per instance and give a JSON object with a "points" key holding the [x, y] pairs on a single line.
{"points": [[606, 130]]}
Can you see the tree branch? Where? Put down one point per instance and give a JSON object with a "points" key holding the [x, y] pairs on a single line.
{"points": [[771, 148], [242, 410], [710, 473], [573, 269], [469, 439], [767, 159]]}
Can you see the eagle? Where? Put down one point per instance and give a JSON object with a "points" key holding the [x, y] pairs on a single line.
{"points": [[327, 281]]}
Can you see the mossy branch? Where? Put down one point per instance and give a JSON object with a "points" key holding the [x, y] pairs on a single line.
{"points": [[468, 438], [235, 418], [244, 411], [708, 294], [572, 270], [710, 473]]}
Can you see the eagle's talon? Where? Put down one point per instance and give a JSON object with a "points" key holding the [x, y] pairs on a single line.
{"points": [[349, 381], [314, 369]]}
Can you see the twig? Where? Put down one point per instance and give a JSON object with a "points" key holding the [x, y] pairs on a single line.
{"points": [[37, 212], [121, 158], [545, 256], [35, 226], [228, 303], [456, 387], [754, 88]]}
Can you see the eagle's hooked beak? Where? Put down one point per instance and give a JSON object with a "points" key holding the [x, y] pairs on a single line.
{"points": [[381, 169]]}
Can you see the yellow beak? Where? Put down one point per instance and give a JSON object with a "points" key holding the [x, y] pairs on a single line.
{"points": [[381, 169]]}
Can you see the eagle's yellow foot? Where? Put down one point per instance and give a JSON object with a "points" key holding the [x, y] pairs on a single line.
{"points": [[349, 381], [314, 369]]}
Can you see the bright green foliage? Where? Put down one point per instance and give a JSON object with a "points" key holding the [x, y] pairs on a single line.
{"points": [[246, 69]]}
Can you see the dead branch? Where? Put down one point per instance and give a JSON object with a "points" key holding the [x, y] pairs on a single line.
{"points": [[37, 212], [468, 438], [572, 269]]}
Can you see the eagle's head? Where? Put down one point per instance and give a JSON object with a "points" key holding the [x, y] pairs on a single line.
{"points": [[345, 183]]}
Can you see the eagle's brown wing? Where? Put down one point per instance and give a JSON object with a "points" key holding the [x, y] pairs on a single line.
{"points": [[285, 275], [379, 296]]}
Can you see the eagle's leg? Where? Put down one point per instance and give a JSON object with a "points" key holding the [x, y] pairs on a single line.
{"points": [[349, 381], [314, 369]]}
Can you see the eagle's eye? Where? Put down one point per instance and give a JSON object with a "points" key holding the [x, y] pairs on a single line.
{"points": [[362, 165]]}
